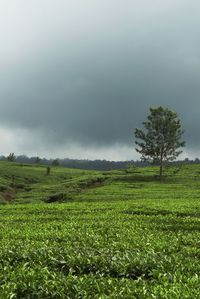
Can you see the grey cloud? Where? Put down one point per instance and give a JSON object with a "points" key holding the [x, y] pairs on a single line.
{"points": [[90, 75]]}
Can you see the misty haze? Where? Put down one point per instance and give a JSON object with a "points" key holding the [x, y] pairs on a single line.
{"points": [[77, 78]]}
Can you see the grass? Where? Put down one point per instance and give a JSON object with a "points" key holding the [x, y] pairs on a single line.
{"points": [[118, 234]]}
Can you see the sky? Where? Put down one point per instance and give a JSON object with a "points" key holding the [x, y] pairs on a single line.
{"points": [[77, 77]]}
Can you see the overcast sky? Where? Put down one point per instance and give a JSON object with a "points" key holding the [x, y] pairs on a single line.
{"points": [[76, 77]]}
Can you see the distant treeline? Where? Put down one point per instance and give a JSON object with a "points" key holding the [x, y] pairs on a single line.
{"points": [[88, 164]]}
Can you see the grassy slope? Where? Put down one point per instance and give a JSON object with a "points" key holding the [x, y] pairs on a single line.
{"points": [[29, 183], [132, 237]]}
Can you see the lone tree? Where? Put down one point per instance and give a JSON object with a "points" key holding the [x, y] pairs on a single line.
{"points": [[48, 170], [11, 157], [55, 162], [160, 140]]}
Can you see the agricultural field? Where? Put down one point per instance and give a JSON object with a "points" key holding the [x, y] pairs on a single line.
{"points": [[86, 234]]}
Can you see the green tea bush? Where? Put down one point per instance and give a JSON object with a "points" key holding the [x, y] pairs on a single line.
{"points": [[131, 237]]}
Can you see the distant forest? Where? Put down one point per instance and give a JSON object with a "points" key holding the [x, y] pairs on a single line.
{"points": [[88, 164]]}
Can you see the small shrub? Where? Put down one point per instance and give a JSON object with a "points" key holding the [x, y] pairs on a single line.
{"points": [[59, 197]]}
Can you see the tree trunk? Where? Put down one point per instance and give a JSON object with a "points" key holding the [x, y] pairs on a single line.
{"points": [[161, 164], [161, 170]]}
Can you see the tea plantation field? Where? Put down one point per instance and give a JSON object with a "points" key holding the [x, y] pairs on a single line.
{"points": [[85, 234]]}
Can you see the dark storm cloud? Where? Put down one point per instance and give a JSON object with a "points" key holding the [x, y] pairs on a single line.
{"points": [[88, 73]]}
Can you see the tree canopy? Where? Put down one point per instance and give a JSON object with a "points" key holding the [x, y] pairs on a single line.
{"points": [[161, 138]]}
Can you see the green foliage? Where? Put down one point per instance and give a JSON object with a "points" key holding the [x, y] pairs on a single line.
{"points": [[160, 140], [55, 162], [29, 183], [132, 249], [59, 197], [11, 157], [118, 235], [48, 170]]}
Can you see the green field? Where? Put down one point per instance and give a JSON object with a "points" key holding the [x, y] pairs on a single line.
{"points": [[86, 234]]}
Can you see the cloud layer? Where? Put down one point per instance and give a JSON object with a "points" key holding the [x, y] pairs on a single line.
{"points": [[82, 75]]}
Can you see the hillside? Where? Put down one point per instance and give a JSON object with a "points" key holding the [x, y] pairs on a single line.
{"points": [[117, 234], [26, 183]]}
